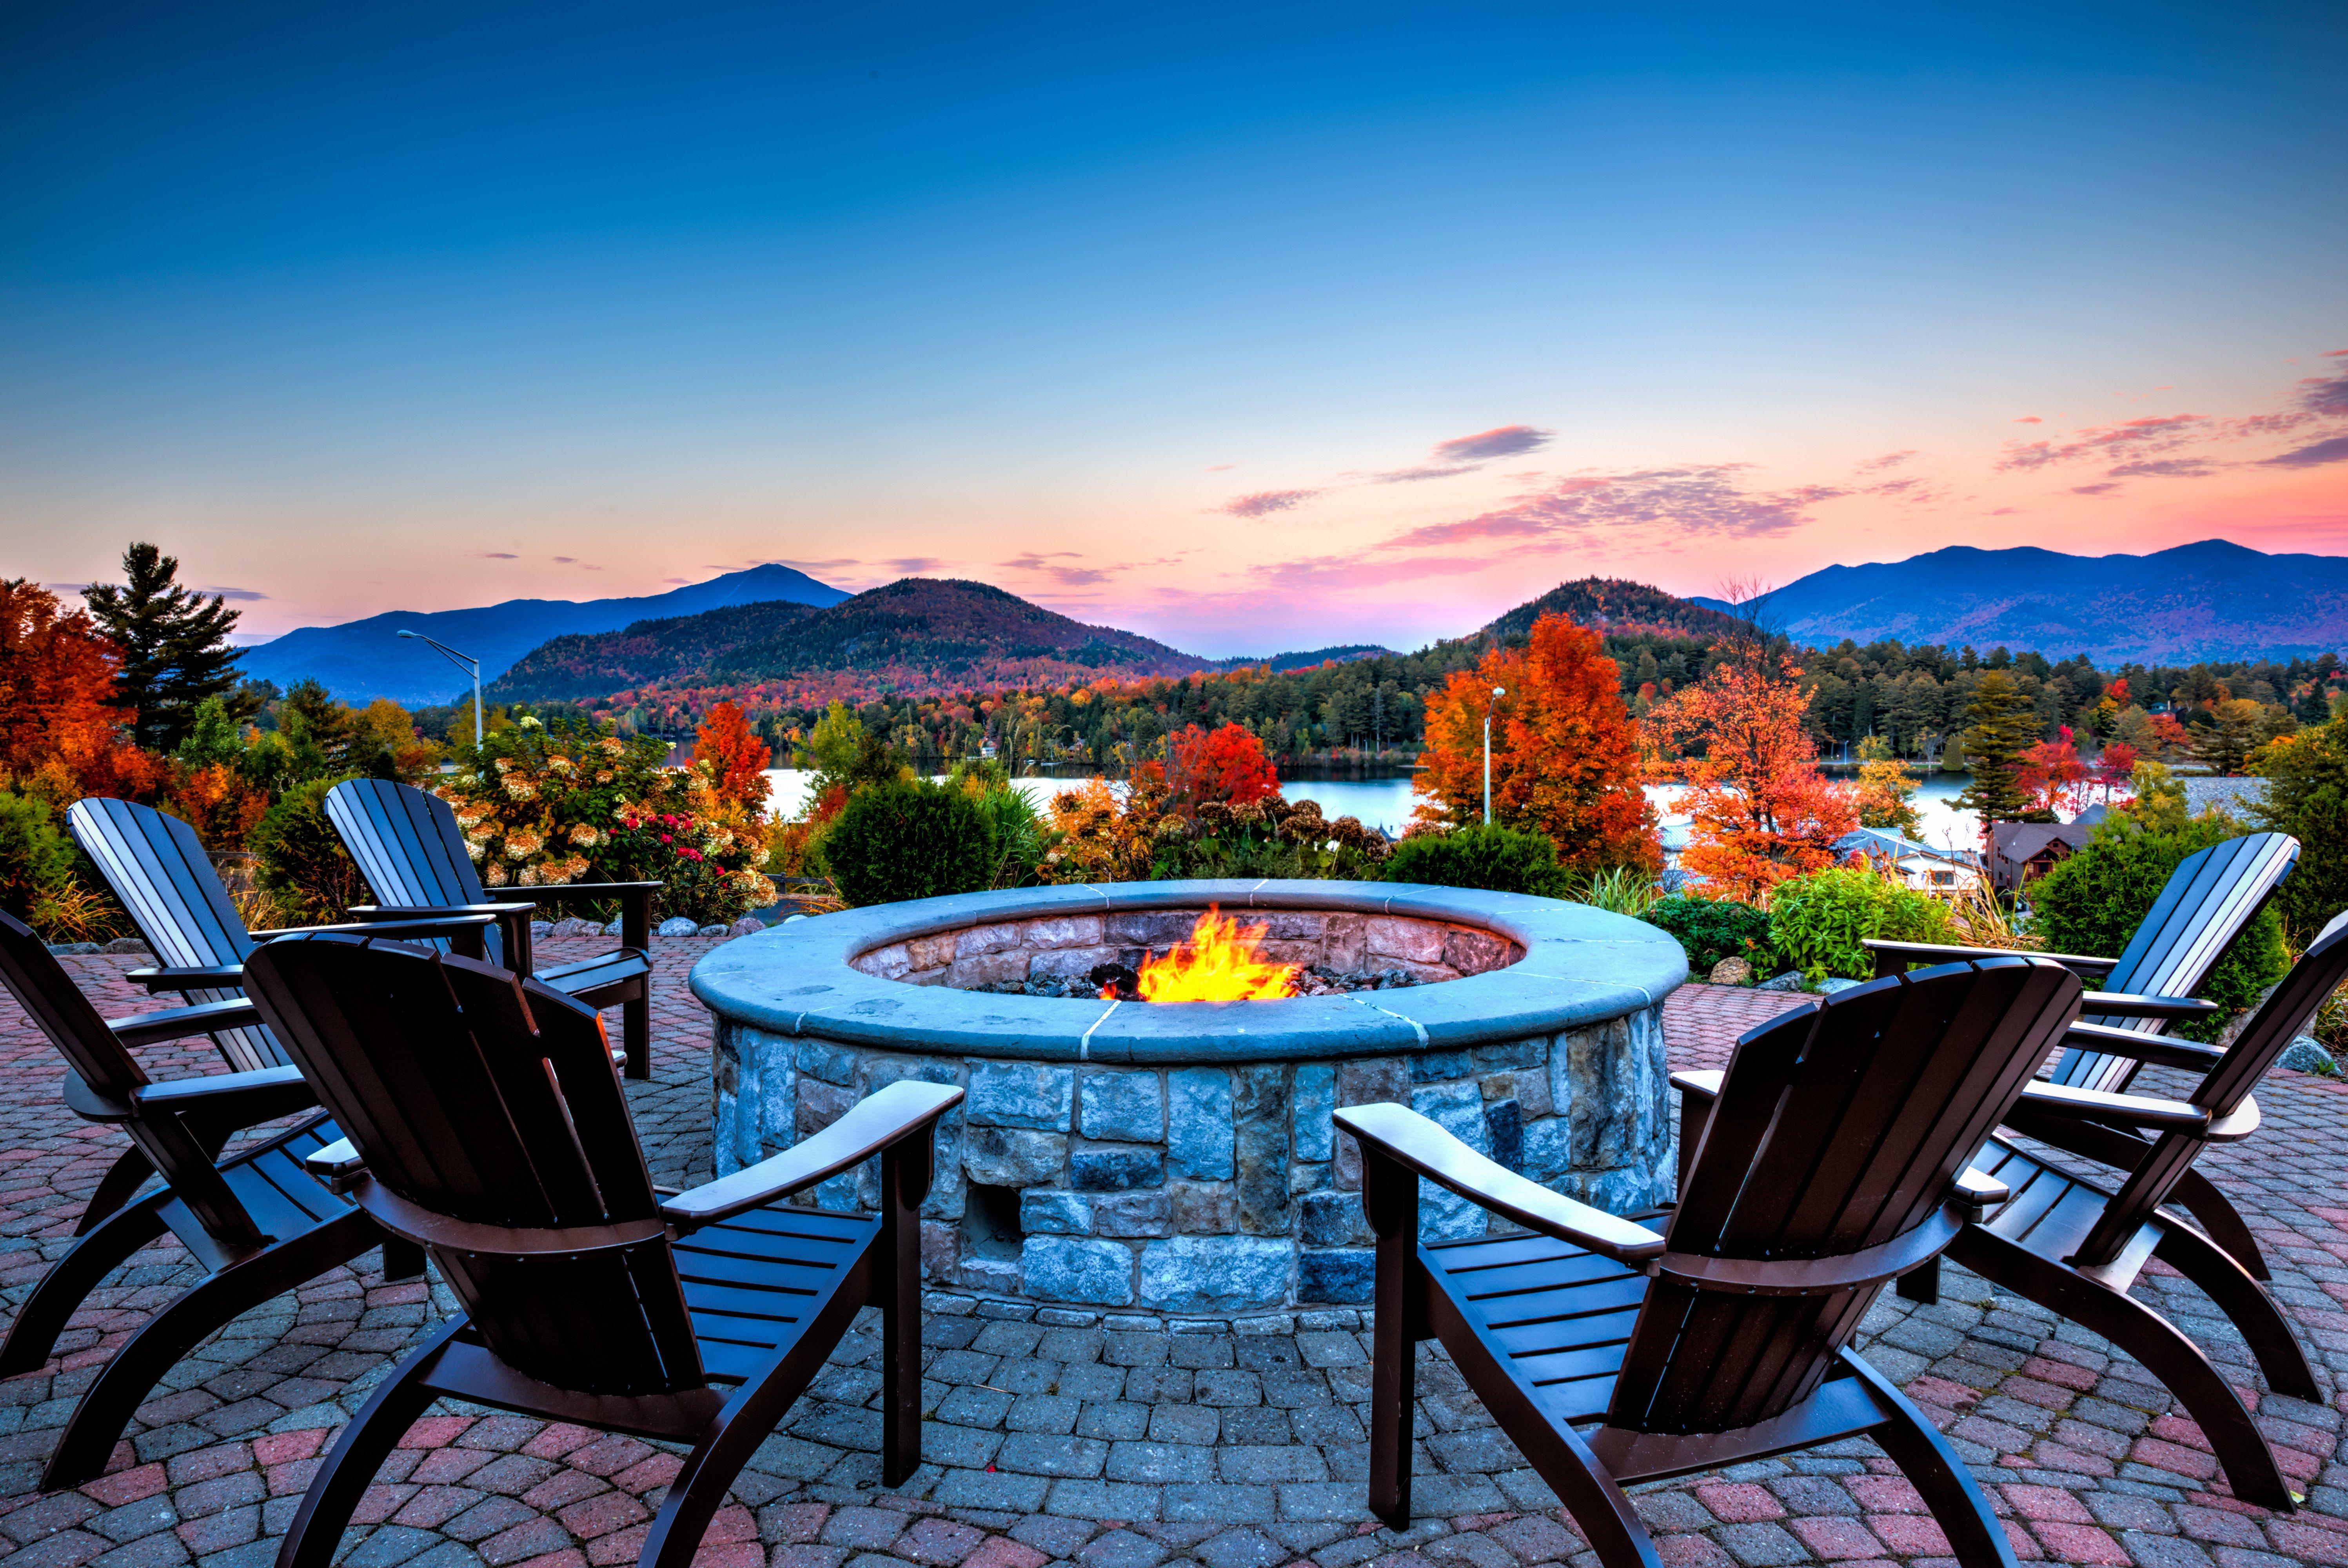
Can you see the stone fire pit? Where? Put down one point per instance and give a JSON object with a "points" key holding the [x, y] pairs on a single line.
{"points": [[1180, 1157]]}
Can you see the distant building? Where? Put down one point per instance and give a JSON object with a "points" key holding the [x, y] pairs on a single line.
{"points": [[2019, 853], [1921, 866]]}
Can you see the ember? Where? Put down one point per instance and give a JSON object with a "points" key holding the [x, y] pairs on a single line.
{"points": [[1219, 964]]}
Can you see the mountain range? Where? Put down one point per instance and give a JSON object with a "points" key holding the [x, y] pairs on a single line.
{"points": [[916, 634], [2210, 600], [800, 639], [362, 660]]}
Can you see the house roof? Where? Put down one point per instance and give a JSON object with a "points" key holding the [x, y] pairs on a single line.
{"points": [[2016, 842], [1884, 841]]}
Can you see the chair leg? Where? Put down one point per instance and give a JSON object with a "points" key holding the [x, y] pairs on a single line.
{"points": [[2152, 1339], [2222, 1278], [636, 1034], [1390, 1196], [350, 1466], [70, 1280], [115, 1189], [754, 1410], [2220, 1221], [125, 1382], [1933, 1468], [402, 1259], [1922, 1284]]}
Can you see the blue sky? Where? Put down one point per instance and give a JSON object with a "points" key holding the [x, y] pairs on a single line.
{"points": [[1162, 318]]}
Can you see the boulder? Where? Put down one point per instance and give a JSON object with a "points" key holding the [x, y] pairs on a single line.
{"points": [[2307, 1055], [1731, 972], [677, 925]]}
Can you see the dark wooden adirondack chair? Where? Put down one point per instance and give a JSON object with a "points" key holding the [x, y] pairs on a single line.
{"points": [[2076, 1246], [2206, 903], [1834, 1162], [159, 872], [257, 1221], [485, 1122], [410, 849]]}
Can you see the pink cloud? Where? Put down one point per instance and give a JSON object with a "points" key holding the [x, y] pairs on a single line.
{"points": [[2154, 433], [1501, 441], [1888, 460], [2104, 489], [1262, 503], [1695, 500], [1066, 576], [2030, 419], [1424, 471]]}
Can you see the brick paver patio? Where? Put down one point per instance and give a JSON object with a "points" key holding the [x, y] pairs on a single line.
{"points": [[1110, 1442]]}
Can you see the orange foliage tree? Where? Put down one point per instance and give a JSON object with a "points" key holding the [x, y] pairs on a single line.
{"points": [[1227, 764], [1565, 755], [737, 757], [1760, 812], [63, 739]]}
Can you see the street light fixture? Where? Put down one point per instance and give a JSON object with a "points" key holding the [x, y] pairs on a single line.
{"points": [[1497, 693], [472, 666]]}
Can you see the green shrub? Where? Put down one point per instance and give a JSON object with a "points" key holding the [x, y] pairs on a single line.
{"points": [[1712, 929], [2307, 797], [899, 840], [298, 860], [2093, 902], [1816, 923], [1500, 859], [36, 859]]}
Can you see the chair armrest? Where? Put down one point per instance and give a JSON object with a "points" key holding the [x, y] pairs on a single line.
{"points": [[576, 890], [178, 1023], [2130, 1005], [902, 1111], [1936, 953], [464, 932], [189, 977], [1981, 1193], [1700, 1085], [337, 1164], [369, 914], [2162, 1050], [257, 1095], [1413, 1142], [2127, 1110]]}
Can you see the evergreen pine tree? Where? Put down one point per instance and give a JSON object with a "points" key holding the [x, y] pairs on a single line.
{"points": [[2314, 707], [2002, 727], [174, 643]]}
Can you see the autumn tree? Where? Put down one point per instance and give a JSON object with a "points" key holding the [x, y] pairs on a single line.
{"points": [[1565, 755], [1225, 764], [1759, 810], [59, 687], [1886, 797], [2001, 727], [738, 759], [173, 642], [2049, 770]]}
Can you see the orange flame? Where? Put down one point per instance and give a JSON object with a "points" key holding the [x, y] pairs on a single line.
{"points": [[1219, 964]]}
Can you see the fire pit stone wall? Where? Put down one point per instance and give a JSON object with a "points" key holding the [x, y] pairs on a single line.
{"points": [[1181, 1158]]}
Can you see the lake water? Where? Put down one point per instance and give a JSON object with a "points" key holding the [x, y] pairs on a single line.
{"points": [[1385, 803]]}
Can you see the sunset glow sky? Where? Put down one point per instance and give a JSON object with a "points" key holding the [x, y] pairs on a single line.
{"points": [[1248, 329]]}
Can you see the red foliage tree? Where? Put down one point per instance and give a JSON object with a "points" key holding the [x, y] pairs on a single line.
{"points": [[2116, 766], [1565, 755], [1227, 764], [59, 687], [2050, 768], [737, 758], [1760, 809]]}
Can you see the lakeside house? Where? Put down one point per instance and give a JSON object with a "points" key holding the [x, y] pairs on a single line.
{"points": [[1921, 866]]}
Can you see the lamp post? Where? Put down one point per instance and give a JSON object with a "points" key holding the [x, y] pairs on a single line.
{"points": [[472, 666], [1497, 693]]}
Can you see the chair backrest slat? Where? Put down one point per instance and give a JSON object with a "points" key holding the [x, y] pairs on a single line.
{"points": [[1838, 1129], [2208, 902], [160, 874], [488, 1100], [51, 999], [409, 846]]}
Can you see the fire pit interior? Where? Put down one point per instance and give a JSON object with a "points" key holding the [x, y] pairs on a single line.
{"points": [[1186, 956], [1178, 1156]]}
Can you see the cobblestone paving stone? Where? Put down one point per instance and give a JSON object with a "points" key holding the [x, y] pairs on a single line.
{"points": [[1060, 1439]]}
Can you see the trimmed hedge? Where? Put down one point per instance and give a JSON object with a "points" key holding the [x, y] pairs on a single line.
{"points": [[1497, 859], [904, 841]]}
